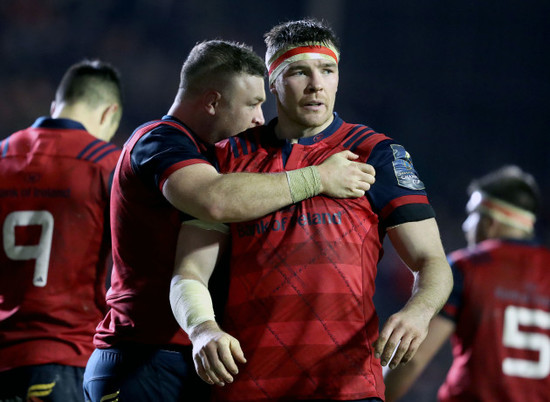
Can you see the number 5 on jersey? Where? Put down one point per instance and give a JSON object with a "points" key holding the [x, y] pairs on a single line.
{"points": [[515, 318]]}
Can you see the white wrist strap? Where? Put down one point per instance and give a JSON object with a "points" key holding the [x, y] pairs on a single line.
{"points": [[191, 303]]}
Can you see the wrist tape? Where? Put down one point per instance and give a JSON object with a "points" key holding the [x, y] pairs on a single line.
{"points": [[303, 183], [191, 303]]}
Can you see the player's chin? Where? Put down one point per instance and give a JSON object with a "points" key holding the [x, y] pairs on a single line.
{"points": [[316, 120]]}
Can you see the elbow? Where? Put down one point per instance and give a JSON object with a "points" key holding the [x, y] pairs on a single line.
{"points": [[215, 213], [449, 289], [222, 211], [449, 278]]}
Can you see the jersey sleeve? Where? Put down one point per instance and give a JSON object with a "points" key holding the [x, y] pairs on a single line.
{"points": [[108, 165], [452, 307], [398, 195], [162, 151]]}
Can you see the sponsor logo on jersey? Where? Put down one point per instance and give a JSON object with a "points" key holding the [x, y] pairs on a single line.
{"points": [[36, 192], [522, 297], [276, 225]]}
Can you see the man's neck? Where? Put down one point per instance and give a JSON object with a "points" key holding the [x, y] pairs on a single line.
{"points": [[292, 132], [191, 116]]}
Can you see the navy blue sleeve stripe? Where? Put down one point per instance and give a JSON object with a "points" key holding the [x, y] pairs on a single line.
{"points": [[104, 154], [352, 134], [358, 137], [246, 146], [243, 145], [87, 148], [234, 147], [361, 138], [98, 149], [101, 147]]}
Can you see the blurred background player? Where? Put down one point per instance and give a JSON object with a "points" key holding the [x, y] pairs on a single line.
{"points": [[498, 315], [165, 177], [55, 244], [302, 278]]}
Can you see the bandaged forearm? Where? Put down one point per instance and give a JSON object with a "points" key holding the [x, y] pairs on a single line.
{"points": [[304, 183], [191, 303]]}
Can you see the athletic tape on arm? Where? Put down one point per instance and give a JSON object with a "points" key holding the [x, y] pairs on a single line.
{"points": [[191, 303], [303, 183]]}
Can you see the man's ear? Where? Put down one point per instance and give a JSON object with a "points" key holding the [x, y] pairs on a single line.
{"points": [[272, 89], [108, 113], [210, 101], [52, 107], [493, 228]]}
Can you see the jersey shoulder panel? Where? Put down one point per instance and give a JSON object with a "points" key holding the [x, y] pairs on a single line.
{"points": [[359, 138], [73, 143], [160, 147], [247, 142]]}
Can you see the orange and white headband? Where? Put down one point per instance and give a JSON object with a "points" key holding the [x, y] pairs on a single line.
{"points": [[288, 55], [505, 212]]}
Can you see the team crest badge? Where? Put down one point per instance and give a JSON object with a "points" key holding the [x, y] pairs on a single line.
{"points": [[404, 169]]}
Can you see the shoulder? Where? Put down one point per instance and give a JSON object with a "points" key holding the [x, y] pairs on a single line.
{"points": [[160, 130], [379, 148], [159, 136], [103, 153], [358, 137], [456, 257], [467, 259], [19, 139]]}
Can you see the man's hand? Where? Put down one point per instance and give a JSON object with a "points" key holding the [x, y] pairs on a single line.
{"points": [[404, 330], [418, 244], [341, 177], [216, 354]]}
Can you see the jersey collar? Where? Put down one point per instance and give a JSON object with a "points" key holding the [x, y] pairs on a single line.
{"points": [[176, 120], [327, 132], [49, 122]]}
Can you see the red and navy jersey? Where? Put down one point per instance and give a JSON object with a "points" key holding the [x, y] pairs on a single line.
{"points": [[302, 278], [144, 231], [55, 246], [501, 306]]}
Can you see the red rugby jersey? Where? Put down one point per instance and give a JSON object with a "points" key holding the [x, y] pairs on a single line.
{"points": [[501, 306], [302, 278], [144, 231], [54, 248]]}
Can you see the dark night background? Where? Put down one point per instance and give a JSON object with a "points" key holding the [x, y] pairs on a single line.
{"points": [[463, 85]]}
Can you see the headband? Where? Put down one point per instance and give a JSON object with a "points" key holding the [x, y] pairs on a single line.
{"points": [[506, 213], [288, 55]]}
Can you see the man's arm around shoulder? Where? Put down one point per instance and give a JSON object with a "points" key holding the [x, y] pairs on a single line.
{"points": [[200, 191]]}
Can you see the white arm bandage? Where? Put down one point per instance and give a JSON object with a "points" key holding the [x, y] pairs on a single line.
{"points": [[303, 183], [191, 303]]}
